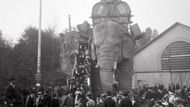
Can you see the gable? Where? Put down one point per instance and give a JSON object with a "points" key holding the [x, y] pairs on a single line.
{"points": [[172, 28]]}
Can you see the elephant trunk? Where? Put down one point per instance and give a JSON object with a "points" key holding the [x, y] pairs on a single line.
{"points": [[106, 64], [106, 77]]}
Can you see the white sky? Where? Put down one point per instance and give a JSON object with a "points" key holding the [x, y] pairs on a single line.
{"points": [[16, 15]]}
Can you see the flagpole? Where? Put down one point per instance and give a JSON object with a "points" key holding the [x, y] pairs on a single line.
{"points": [[38, 75]]}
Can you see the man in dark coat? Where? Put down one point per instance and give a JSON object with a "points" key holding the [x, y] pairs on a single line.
{"points": [[109, 102], [125, 102], [30, 101], [69, 101], [12, 94], [55, 101]]}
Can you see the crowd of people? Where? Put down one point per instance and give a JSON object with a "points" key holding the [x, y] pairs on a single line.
{"points": [[142, 96], [78, 94]]}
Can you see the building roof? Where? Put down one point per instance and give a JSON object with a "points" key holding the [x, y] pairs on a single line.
{"points": [[159, 36]]}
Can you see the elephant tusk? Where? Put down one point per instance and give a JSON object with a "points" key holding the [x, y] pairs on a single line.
{"points": [[115, 66], [97, 65], [114, 70]]}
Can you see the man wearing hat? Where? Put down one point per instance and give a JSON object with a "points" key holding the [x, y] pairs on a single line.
{"points": [[90, 102], [125, 102], [12, 93], [30, 100], [109, 102]]}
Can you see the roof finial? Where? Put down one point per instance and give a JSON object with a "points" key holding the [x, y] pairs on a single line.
{"points": [[109, 1]]}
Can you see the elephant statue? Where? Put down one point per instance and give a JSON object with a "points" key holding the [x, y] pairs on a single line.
{"points": [[113, 47]]}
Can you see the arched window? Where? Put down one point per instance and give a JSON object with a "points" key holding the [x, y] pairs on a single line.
{"points": [[176, 57]]}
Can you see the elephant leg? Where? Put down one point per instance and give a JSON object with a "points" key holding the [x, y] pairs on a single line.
{"points": [[125, 74]]}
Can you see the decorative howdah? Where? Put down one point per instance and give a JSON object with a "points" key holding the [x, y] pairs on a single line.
{"points": [[113, 43], [111, 10]]}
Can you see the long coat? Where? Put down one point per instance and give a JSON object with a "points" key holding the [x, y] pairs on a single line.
{"points": [[13, 96], [126, 102], [109, 102], [30, 102]]}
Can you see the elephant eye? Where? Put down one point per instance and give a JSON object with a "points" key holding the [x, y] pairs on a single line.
{"points": [[97, 47]]}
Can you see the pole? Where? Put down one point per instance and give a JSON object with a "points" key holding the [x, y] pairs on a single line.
{"points": [[38, 77], [69, 16], [170, 70]]}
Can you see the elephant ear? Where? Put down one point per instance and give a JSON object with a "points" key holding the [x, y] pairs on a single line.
{"points": [[128, 47]]}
